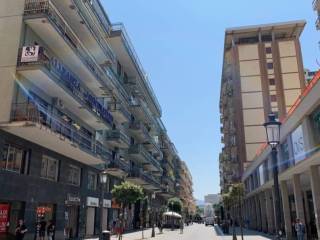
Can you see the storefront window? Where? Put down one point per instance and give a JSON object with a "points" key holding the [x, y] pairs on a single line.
{"points": [[92, 181], [74, 175], [49, 168], [12, 159]]}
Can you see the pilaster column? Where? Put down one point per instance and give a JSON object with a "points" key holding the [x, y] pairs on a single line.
{"points": [[258, 211], [270, 211], [264, 224], [286, 209], [298, 198], [315, 187]]}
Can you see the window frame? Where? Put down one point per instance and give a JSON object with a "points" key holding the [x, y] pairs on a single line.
{"points": [[23, 162], [72, 167], [91, 173], [46, 174]]}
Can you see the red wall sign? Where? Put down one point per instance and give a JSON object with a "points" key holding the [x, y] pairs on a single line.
{"points": [[4, 217]]}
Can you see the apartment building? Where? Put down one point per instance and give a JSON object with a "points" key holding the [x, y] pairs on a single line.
{"points": [[185, 187], [262, 73], [298, 163], [75, 101]]}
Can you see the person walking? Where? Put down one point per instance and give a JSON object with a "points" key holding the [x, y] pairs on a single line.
{"points": [[300, 229], [21, 230], [43, 225], [51, 230], [181, 226]]}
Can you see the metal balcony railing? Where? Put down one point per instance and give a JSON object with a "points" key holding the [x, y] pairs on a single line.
{"points": [[36, 8], [139, 126], [36, 113], [70, 82], [119, 107], [98, 12], [118, 134], [146, 176], [140, 150], [134, 56], [121, 164]]}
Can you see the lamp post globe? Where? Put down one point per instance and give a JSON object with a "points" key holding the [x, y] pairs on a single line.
{"points": [[273, 127]]}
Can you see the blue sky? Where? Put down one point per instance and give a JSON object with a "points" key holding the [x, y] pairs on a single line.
{"points": [[180, 44]]}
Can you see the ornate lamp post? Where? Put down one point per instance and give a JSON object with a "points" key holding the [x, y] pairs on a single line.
{"points": [[103, 181], [273, 139]]}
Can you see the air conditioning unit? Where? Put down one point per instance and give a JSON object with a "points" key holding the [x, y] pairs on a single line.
{"points": [[57, 102]]}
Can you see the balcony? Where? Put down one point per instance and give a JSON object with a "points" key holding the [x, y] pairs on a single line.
{"points": [[32, 122], [119, 112], [118, 138], [141, 110], [316, 5], [118, 168], [49, 74], [145, 179], [47, 22], [139, 130], [119, 35], [139, 153]]}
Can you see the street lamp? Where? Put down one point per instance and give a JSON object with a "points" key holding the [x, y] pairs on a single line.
{"points": [[273, 139], [103, 181]]}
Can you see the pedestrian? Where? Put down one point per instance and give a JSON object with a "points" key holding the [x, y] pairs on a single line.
{"points": [[51, 229], [181, 226], [21, 230], [300, 229], [43, 225]]}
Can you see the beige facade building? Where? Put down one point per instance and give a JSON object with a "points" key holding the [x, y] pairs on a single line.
{"points": [[299, 173], [262, 73]]}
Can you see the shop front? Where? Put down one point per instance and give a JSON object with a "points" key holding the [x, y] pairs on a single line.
{"points": [[91, 215], [105, 212], [71, 214], [10, 213]]}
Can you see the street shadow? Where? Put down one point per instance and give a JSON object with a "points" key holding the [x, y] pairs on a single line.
{"points": [[246, 232]]}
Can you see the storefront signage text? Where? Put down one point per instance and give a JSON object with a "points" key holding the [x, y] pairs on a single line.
{"points": [[107, 203], [4, 217], [92, 202], [29, 54], [74, 85]]}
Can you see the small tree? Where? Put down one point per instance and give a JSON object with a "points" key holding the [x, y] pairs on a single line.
{"points": [[175, 205], [126, 194]]}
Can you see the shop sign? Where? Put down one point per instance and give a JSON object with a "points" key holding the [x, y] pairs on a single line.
{"points": [[30, 53], [73, 200], [42, 210], [107, 203], [298, 144], [4, 217], [74, 85], [92, 202]]}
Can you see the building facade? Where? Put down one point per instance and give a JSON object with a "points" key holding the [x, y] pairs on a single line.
{"points": [[75, 101], [299, 176], [262, 73], [212, 198]]}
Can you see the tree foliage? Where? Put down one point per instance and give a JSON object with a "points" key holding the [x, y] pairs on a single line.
{"points": [[127, 193], [175, 205]]}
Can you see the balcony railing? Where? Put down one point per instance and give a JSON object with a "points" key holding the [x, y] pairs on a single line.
{"points": [[146, 176], [118, 135], [139, 126], [36, 8], [121, 164], [118, 107], [120, 27], [70, 82], [103, 20], [36, 113], [140, 150]]}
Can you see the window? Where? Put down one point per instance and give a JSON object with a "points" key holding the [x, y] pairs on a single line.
{"points": [[12, 159], [49, 168], [74, 175], [268, 50], [270, 65], [92, 181], [273, 98], [272, 81]]}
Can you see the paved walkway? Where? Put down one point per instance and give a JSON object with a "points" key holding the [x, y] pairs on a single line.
{"points": [[248, 234], [192, 232]]}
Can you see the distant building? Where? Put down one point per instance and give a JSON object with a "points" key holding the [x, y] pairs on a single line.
{"points": [[208, 211], [212, 198], [308, 75]]}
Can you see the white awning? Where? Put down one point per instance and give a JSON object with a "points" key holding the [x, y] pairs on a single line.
{"points": [[172, 214]]}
